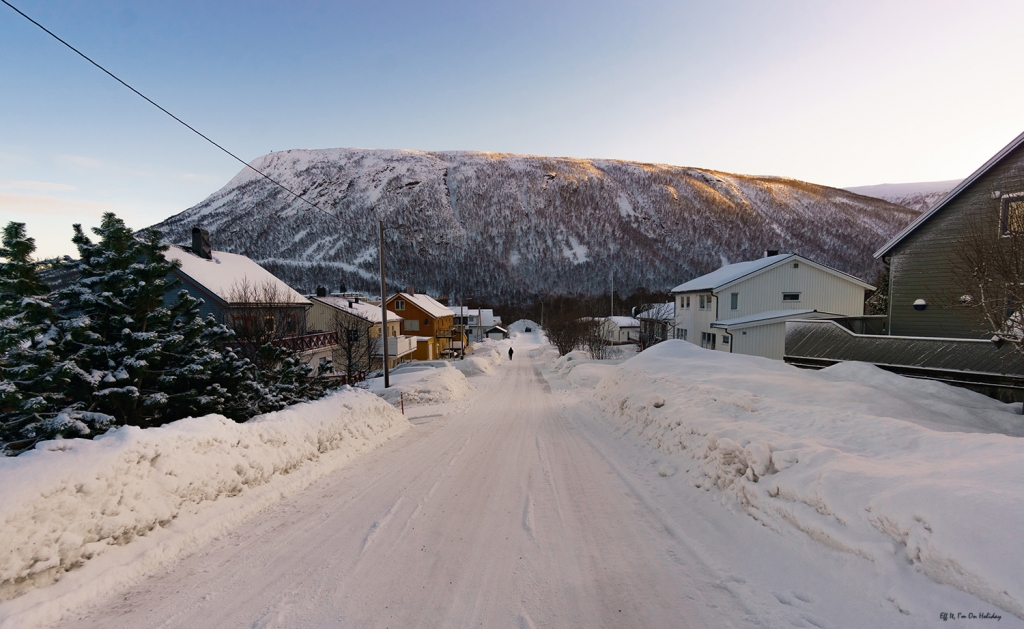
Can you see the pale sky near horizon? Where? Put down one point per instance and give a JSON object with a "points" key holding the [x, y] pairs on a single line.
{"points": [[836, 93]]}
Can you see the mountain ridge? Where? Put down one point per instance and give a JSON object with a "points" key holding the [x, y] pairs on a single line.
{"points": [[508, 228]]}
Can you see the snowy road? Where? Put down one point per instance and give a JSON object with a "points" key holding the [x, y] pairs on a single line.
{"points": [[501, 514]]}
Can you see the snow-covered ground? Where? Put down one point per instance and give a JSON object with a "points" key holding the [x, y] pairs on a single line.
{"points": [[83, 518], [677, 487], [899, 472]]}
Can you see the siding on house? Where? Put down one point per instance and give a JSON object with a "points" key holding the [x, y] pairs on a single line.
{"points": [[761, 340], [819, 290], [921, 264]]}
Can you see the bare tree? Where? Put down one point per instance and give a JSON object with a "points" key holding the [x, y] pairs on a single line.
{"points": [[988, 273], [594, 337], [261, 313], [357, 347], [566, 333]]}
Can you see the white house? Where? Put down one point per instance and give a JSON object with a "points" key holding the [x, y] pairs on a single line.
{"points": [[743, 307], [477, 321], [620, 330]]}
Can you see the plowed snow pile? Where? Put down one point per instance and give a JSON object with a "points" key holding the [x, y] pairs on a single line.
{"points": [[81, 517], [866, 462], [423, 382]]}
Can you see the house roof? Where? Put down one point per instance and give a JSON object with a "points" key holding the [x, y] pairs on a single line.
{"points": [[729, 274], [946, 200], [363, 310], [227, 272], [624, 322], [426, 303], [659, 312], [769, 316], [486, 315], [496, 327]]}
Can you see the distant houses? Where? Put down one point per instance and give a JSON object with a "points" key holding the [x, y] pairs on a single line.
{"points": [[357, 324], [619, 330], [743, 308]]}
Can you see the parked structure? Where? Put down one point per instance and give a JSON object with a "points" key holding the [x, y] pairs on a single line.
{"points": [[429, 320], [743, 307], [354, 317], [497, 333], [932, 332]]}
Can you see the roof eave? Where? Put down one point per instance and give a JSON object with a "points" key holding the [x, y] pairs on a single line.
{"points": [[955, 192]]}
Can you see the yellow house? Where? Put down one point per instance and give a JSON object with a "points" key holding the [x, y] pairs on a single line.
{"points": [[427, 319]]}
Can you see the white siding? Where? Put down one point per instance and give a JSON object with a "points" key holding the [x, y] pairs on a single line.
{"points": [[694, 320], [818, 290], [762, 340]]}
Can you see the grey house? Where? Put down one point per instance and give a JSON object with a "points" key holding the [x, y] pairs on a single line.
{"points": [[928, 334]]}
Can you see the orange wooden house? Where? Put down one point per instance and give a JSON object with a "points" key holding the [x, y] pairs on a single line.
{"points": [[427, 319]]}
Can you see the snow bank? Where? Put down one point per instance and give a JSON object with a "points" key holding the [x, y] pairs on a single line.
{"points": [[423, 382], [894, 470], [80, 517]]}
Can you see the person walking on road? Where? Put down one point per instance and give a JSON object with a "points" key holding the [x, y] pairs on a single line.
{"points": [[510, 353]]}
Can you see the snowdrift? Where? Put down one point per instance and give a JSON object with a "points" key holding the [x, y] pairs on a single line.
{"points": [[423, 382], [891, 469], [83, 517]]}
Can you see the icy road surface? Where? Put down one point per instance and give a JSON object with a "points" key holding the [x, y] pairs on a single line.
{"points": [[501, 515], [523, 505]]}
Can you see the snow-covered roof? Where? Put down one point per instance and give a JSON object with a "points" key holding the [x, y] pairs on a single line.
{"points": [[497, 327], [227, 272], [729, 274], [361, 309], [427, 304], [486, 315], [717, 280], [770, 316], [624, 322], [659, 312], [995, 159]]}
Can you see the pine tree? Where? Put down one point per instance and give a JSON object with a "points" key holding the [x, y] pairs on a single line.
{"points": [[29, 342]]}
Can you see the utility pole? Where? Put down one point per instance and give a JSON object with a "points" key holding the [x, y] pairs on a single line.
{"points": [[611, 279], [384, 310]]}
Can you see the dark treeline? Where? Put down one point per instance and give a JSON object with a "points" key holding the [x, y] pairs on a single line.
{"points": [[562, 307]]}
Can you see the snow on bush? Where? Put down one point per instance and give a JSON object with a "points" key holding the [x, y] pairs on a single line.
{"points": [[888, 468], [423, 382], [67, 503]]}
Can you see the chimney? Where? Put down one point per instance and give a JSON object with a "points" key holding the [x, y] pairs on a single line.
{"points": [[411, 290], [201, 243], [771, 252], [321, 291]]}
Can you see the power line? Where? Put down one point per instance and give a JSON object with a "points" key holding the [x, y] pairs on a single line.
{"points": [[151, 102]]}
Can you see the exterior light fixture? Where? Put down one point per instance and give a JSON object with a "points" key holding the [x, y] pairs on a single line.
{"points": [[920, 304]]}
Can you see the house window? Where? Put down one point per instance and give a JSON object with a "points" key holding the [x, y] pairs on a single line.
{"points": [[734, 301], [269, 323], [290, 325], [1013, 215], [725, 339], [412, 325], [681, 334], [353, 336], [707, 340], [790, 296], [687, 301], [796, 265], [399, 304]]}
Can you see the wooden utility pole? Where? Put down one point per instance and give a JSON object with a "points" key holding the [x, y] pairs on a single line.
{"points": [[384, 310]]}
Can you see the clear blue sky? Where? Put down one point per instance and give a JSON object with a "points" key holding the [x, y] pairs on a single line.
{"points": [[838, 93]]}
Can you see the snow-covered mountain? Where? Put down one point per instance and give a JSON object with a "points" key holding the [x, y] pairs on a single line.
{"points": [[917, 196], [508, 227]]}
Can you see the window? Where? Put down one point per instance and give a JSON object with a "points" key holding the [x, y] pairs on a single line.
{"points": [[399, 304], [725, 339], [687, 301], [705, 302], [412, 325], [353, 336], [734, 301], [1013, 215], [796, 265], [707, 340], [681, 334], [790, 296], [290, 325], [269, 323]]}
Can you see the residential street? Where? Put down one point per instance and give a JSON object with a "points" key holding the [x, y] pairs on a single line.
{"points": [[500, 515]]}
